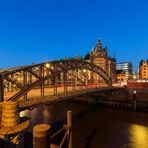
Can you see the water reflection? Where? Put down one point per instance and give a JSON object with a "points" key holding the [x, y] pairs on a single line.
{"points": [[32, 114], [38, 115], [115, 128], [46, 115], [138, 136]]}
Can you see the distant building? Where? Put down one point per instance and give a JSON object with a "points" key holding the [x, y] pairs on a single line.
{"points": [[143, 69], [135, 75], [99, 56], [120, 75], [126, 67]]}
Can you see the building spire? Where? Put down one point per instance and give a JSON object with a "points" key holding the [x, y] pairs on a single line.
{"points": [[98, 46], [99, 40]]}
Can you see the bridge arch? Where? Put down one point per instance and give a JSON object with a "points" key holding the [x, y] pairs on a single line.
{"points": [[57, 68]]}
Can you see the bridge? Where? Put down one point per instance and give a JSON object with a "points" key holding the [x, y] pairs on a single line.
{"points": [[51, 81]]}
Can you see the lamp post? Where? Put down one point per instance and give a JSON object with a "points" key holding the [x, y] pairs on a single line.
{"points": [[135, 99]]}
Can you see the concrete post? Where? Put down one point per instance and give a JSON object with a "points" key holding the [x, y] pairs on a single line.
{"points": [[41, 136], [69, 123], [10, 114]]}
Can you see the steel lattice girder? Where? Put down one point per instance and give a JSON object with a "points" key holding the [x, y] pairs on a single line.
{"points": [[56, 68]]}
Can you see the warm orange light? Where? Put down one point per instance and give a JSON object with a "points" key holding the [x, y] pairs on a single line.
{"points": [[47, 65]]}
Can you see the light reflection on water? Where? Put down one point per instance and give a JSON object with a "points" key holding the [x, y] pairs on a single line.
{"points": [[138, 137], [46, 115], [41, 114], [32, 114], [116, 128]]}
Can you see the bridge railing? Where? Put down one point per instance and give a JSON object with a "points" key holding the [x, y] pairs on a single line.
{"points": [[30, 102]]}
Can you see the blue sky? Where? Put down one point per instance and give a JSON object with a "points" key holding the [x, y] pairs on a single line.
{"points": [[37, 31]]}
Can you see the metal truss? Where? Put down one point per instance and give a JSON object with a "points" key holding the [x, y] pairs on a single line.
{"points": [[29, 77]]}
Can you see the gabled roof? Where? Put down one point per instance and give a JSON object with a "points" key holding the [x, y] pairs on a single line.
{"points": [[141, 62], [120, 71]]}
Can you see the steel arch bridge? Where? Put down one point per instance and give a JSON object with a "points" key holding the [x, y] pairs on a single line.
{"points": [[17, 82]]}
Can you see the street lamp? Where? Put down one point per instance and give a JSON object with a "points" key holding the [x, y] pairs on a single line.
{"points": [[134, 97], [84, 70], [47, 65]]}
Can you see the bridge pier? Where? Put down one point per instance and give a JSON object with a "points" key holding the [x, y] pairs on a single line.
{"points": [[11, 128], [10, 114]]}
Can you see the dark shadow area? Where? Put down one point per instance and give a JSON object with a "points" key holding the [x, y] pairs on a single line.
{"points": [[81, 115], [6, 144], [88, 139], [28, 140]]}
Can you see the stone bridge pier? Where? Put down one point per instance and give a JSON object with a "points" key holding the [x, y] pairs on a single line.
{"points": [[10, 114]]}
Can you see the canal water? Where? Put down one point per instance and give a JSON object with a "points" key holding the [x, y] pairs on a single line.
{"points": [[95, 127]]}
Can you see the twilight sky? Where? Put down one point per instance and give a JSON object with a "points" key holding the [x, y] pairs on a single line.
{"points": [[44, 30]]}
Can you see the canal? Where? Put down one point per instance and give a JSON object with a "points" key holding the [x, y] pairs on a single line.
{"points": [[95, 127]]}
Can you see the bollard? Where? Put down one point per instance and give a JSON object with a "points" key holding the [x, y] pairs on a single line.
{"points": [[41, 136], [10, 114], [69, 123]]}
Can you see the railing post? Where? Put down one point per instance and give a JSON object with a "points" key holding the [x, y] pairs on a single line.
{"points": [[41, 136], [73, 84], [55, 85], [69, 123], [42, 85], [1, 89], [65, 83], [25, 82]]}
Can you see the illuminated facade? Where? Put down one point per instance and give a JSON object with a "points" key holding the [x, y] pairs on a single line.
{"points": [[126, 67], [99, 56], [120, 75], [143, 69]]}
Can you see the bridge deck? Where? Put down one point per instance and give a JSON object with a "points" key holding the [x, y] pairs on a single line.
{"points": [[34, 101]]}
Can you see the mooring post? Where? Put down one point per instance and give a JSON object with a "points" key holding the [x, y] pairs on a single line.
{"points": [[41, 133], [135, 99], [69, 123]]}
